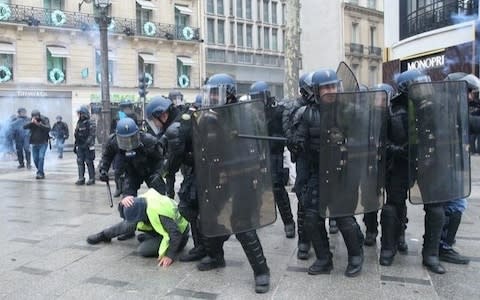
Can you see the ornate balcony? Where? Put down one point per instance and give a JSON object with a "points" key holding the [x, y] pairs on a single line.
{"points": [[374, 51], [36, 16], [356, 49], [434, 15]]}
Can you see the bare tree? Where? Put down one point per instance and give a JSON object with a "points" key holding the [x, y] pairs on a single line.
{"points": [[292, 49]]}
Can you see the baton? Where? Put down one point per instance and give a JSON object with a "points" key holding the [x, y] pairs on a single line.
{"points": [[262, 137], [109, 193]]}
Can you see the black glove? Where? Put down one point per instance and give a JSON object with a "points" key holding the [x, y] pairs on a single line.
{"points": [[103, 176], [75, 149]]}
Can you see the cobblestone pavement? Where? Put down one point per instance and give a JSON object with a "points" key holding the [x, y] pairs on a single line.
{"points": [[44, 223]]}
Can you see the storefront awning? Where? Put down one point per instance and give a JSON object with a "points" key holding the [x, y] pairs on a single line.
{"points": [[186, 61], [146, 4], [58, 51], [111, 55], [6, 48], [184, 10], [148, 58]]}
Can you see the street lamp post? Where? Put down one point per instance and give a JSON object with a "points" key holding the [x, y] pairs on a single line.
{"points": [[103, 21]]}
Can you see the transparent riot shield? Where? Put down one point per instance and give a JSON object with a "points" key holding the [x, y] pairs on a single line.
{"points": [[439, 168], [352, 153], [345, 74], [233, 174]]}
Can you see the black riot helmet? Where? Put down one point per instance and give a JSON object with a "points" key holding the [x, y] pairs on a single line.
{"points": [[128, 134], [261, 91], [176, 97], [386, 88], [305, 85], [220, 89], [157, 106], [325, 81], [83, 112], [473, 83], [405, 79]]}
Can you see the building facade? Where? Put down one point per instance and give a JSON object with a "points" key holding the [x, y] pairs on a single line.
{"points": [[341, 30], [245, 39], [437, 36], [50, 52]]}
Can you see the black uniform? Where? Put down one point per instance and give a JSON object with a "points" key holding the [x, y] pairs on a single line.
{"points": [[398, 181], [291, 120], [274, 114], [241, 211], [310, 137], [85, 147], [180, 155], [141, 165]]}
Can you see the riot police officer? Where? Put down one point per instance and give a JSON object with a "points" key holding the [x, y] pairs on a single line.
{"points": [[291, 119], [85, 146], [371, 219], [309, 138], [162, 113], [220, 89], [274, 111], [177, 139], [143, 156], [400, 178], [177, 99]]}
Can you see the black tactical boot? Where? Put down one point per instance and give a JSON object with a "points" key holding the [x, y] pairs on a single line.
{"points": [[210, 263], [321, 266], [354, 266], [353, 237], [402, 245], [262, 283], [303, 241], [254, 252], [91, 181], [390, 232], [433, 264], [196, 253], [434, 221], [97, 238], [386, 257], [315, 227], [332, 226], [370, 238], [290, 230], [283, 204], [453, 257], [303, 249]]}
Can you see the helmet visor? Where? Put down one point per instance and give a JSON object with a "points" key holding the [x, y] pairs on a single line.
{"points": [[214, 95], [325, 92], [128, 143]]}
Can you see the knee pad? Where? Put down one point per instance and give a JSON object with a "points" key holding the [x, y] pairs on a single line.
{"points": [[80, 161]]}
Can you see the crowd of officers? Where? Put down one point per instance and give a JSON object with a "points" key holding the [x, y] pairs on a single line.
{"points": [[155, 155]]}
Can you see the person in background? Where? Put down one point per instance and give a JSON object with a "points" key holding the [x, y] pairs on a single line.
{"points": [[21, 138], [60, 134], [39, 127]]}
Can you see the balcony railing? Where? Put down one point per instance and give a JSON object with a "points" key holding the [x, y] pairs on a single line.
{"points": [[36, 16], [356, 49], [436, 15], [374, 51]]}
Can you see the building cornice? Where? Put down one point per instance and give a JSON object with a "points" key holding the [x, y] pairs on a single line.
{"points": [[362, 10]]}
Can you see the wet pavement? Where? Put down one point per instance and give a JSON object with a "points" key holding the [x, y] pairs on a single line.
{"points": [[43, 253]]}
